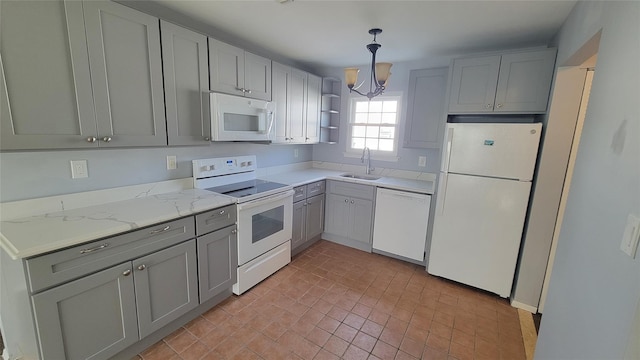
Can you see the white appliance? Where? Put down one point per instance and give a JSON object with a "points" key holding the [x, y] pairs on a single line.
{"points": [[264, 218], [401, 220], [237, 118], [482, 199]]}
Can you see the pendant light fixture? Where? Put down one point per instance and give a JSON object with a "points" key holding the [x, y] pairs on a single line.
{"points": [[379, 72]]}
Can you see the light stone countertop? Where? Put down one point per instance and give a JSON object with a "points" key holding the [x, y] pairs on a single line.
{"points": [[35, 235], [301, 177]]}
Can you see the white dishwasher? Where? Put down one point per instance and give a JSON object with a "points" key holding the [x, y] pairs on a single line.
{"points": [[400, 224]]}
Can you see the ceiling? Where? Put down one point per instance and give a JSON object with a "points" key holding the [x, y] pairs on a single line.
{"points": [[334, 33]]}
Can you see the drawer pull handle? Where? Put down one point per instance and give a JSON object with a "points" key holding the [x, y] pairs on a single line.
{"points": [[126, 272], [160, 230], [85, 251], [142, 267]]}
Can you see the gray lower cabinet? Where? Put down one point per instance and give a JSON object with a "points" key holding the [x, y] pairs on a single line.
{"points": [[166, 284], [92, 317], [217, 262], [349, 214], [308, 215], [101, 314], [186, 85]]}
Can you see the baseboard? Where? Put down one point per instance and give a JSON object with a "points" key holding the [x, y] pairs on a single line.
{"points": [[519, 305]]}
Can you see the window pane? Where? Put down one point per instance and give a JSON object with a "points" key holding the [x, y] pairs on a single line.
{"points": [[390, 106], [386, 145], [389, 118], [386, 132], [362, 106], [357, 143], [361, 118], [372, 131], [375, 106], [375, 118], [358, 131], [372, 144]]}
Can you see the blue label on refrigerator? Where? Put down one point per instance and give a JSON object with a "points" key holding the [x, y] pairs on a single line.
{"points": [[488, 142]]}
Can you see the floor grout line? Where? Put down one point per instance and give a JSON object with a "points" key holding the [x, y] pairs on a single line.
{"points": [[529, 334]]}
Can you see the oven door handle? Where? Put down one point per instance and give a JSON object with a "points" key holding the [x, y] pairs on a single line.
{"points": [[265, 200]]}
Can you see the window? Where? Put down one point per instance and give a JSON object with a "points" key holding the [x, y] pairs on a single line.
{"points": [[374, 124]]}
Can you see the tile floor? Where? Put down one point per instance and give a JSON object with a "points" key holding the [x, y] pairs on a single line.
{"points": [[334, 302]]}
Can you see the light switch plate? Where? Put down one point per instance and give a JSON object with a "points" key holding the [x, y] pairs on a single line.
{"points": [[172, 163], [631, 236], [422, 161], [79, 169]]}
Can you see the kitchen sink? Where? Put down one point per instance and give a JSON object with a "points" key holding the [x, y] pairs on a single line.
{"points": [[361, 177]]}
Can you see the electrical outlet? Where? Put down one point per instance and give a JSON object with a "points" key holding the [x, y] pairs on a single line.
{"points": [[422, 161], [631, 236], [172, 163], [79, 169], [295, 153]]}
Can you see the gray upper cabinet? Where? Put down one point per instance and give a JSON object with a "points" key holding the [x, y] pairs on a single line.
{"points": [[92, 317], [312, 118], [235, 71], [45, 86], [126, 74], [186, 85], [426, 108], [509, 83]]}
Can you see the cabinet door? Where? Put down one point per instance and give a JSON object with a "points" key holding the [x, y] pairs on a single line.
{"points": [[426, 108], [126, 75], [186, 85], [299, 224], [281, 75], [217, 262], [166, 286], [92, 317], [45, 85], [314, 216], [314, 85], [226, 68], [257, 76], [473, 84], [297, 95], [524, 81], [337, 215], [361, 216]]}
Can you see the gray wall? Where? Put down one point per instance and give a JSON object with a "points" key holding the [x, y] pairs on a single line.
{"points": [[594, 286], [399, 82], [27, 175]]}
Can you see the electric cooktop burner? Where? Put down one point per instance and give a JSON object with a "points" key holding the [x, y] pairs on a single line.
{"points": [[246, 188]]}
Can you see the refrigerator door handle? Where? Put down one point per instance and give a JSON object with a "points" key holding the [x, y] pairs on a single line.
{"points": [[442, 191], [447, 155]]}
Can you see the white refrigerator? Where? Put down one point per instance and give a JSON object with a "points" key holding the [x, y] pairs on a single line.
{"points": [[483, 194]]}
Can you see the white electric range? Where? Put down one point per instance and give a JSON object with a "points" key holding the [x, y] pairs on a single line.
{"points": [[264, 209]]}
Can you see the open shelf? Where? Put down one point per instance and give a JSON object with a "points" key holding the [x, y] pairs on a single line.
{"points": [[330, 110]]}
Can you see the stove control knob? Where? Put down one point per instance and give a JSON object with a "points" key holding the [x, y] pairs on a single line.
{"points": [[212, 167], [249, 163]]}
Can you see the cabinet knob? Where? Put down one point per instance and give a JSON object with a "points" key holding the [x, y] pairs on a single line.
{"points": [[106, 139], [240, 89], [207, 138], [346, 200], [489, 106], [352, 201], [306, 139], [234, 231], [247, 91], [221, 212], [499, 106], [91, 139], [142, 267], [126, 272]]}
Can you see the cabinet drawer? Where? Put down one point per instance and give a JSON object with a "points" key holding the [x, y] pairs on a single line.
{"points": [[300, 193], [315, 188], [351, 190], [215, 219], [61, 266]]}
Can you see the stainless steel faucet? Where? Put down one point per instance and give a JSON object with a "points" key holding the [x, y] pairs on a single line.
{"points": [[368, 157]]}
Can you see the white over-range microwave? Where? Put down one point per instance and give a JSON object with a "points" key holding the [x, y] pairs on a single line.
{"points": [[236, 118]]}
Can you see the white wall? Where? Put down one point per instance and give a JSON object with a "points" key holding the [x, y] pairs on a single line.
{"points": [[594, 286], [399, 82]]}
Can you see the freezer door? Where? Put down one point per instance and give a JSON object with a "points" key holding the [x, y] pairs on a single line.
{"points": [[477, 230], [497, 150]]}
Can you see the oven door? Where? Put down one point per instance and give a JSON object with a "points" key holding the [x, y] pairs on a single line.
{"points": [[264, 224]]}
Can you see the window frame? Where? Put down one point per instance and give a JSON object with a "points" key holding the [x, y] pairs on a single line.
{"points": [[375, 154]]}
